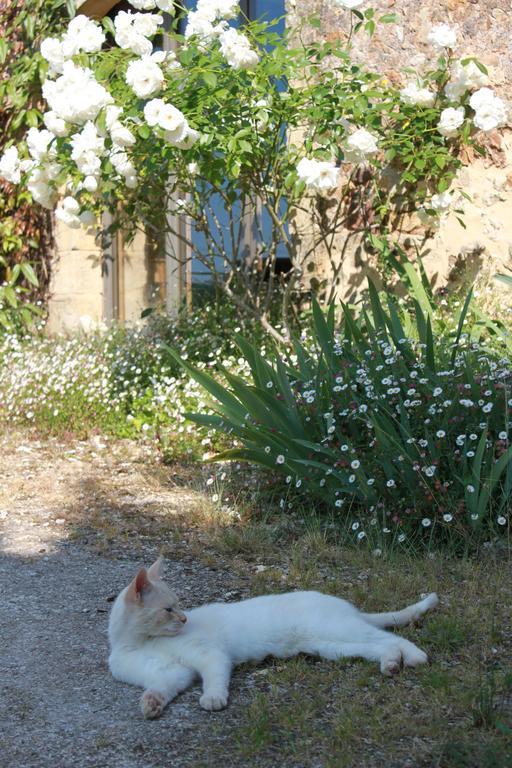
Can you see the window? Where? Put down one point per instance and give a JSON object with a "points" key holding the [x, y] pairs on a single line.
{"points": [[196, 275]]}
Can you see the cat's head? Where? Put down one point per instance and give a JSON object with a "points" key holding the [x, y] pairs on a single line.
{"points": [[147, 607]]}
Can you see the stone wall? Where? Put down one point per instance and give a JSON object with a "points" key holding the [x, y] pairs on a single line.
{"points": [[77, 290], [452, 252]]}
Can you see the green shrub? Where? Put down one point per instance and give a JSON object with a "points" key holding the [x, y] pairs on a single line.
{"points": [[118, 381], [401, 432]]}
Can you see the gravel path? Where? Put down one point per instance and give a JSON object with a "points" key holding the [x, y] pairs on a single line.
{"points": [[59, 705]]}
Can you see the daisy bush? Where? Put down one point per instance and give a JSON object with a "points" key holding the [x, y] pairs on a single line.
{"points": [[393, 422], [119, 382], [241, 117]]}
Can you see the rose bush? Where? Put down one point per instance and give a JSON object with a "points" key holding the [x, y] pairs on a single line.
{"points": [[214, 125]]}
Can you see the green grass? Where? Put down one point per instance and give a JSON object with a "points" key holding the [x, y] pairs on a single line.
{"points": [[454, 713]]}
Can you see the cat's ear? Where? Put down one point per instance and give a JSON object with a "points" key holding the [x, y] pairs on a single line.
{"points": [[156, 570], [139, 586]]}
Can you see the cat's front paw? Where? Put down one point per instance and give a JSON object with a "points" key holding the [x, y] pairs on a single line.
{"points": [[213, 701], [152, 704]]}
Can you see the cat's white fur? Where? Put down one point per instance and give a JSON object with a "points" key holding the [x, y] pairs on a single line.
{"points": [[158, 647]]}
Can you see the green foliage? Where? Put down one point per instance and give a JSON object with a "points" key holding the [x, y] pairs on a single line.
{"points": [[298, 99], [119, 381], [394, 422], [25, 231]]}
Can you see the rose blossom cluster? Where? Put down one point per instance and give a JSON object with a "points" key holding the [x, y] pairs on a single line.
{"points": [[82, 35], [466, 75], [209, 22], [322, 176], [76, 100], [133, 30], [463, 78], [171, 121], [490, 110]]}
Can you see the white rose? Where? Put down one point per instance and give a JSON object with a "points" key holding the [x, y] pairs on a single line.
{"points": [[143, 5], [121, 135], [144, 77], [183, 139], [441, 202], [455, 90], [88, 140], [153, 111], [450, 121], [90, 183], [146, 23], [360, 145], [130, 40], [463, 77], [133, 29], [55, 124], [481, 97], [39, 142], [219, 9], [443, 36], [42, 194], [52, 51], [473, 76], [122, 163], [76, 96], [158, 113], [491, 115], [490, 111], [199, 25], [237, 50], [349, 4], [88, 163], [112, 115], [83, 34], [317, 174], [67, 212], [413, 94], [37, 185], [172, 119], [10, 166]]}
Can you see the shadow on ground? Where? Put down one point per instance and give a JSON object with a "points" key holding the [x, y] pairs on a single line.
{"points": [[59, 706]]}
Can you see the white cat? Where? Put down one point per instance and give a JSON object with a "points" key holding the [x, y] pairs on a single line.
{"points": [[157, 646]]}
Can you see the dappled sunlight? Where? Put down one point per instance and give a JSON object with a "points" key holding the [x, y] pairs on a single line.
{"points": [[101, 490]]}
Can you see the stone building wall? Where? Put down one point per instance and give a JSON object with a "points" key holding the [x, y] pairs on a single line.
{"points": [[77, 289], [452, 252]]}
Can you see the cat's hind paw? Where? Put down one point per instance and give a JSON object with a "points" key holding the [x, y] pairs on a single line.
{"points": [[152, 704], [213, 701], [415, 658], [391, 662], [427, 604]]}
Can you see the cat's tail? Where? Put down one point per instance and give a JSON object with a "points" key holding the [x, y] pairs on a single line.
{"points": [[405, 616]]}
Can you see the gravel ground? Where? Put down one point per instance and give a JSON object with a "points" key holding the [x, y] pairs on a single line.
{"points": [[59, 705]]}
